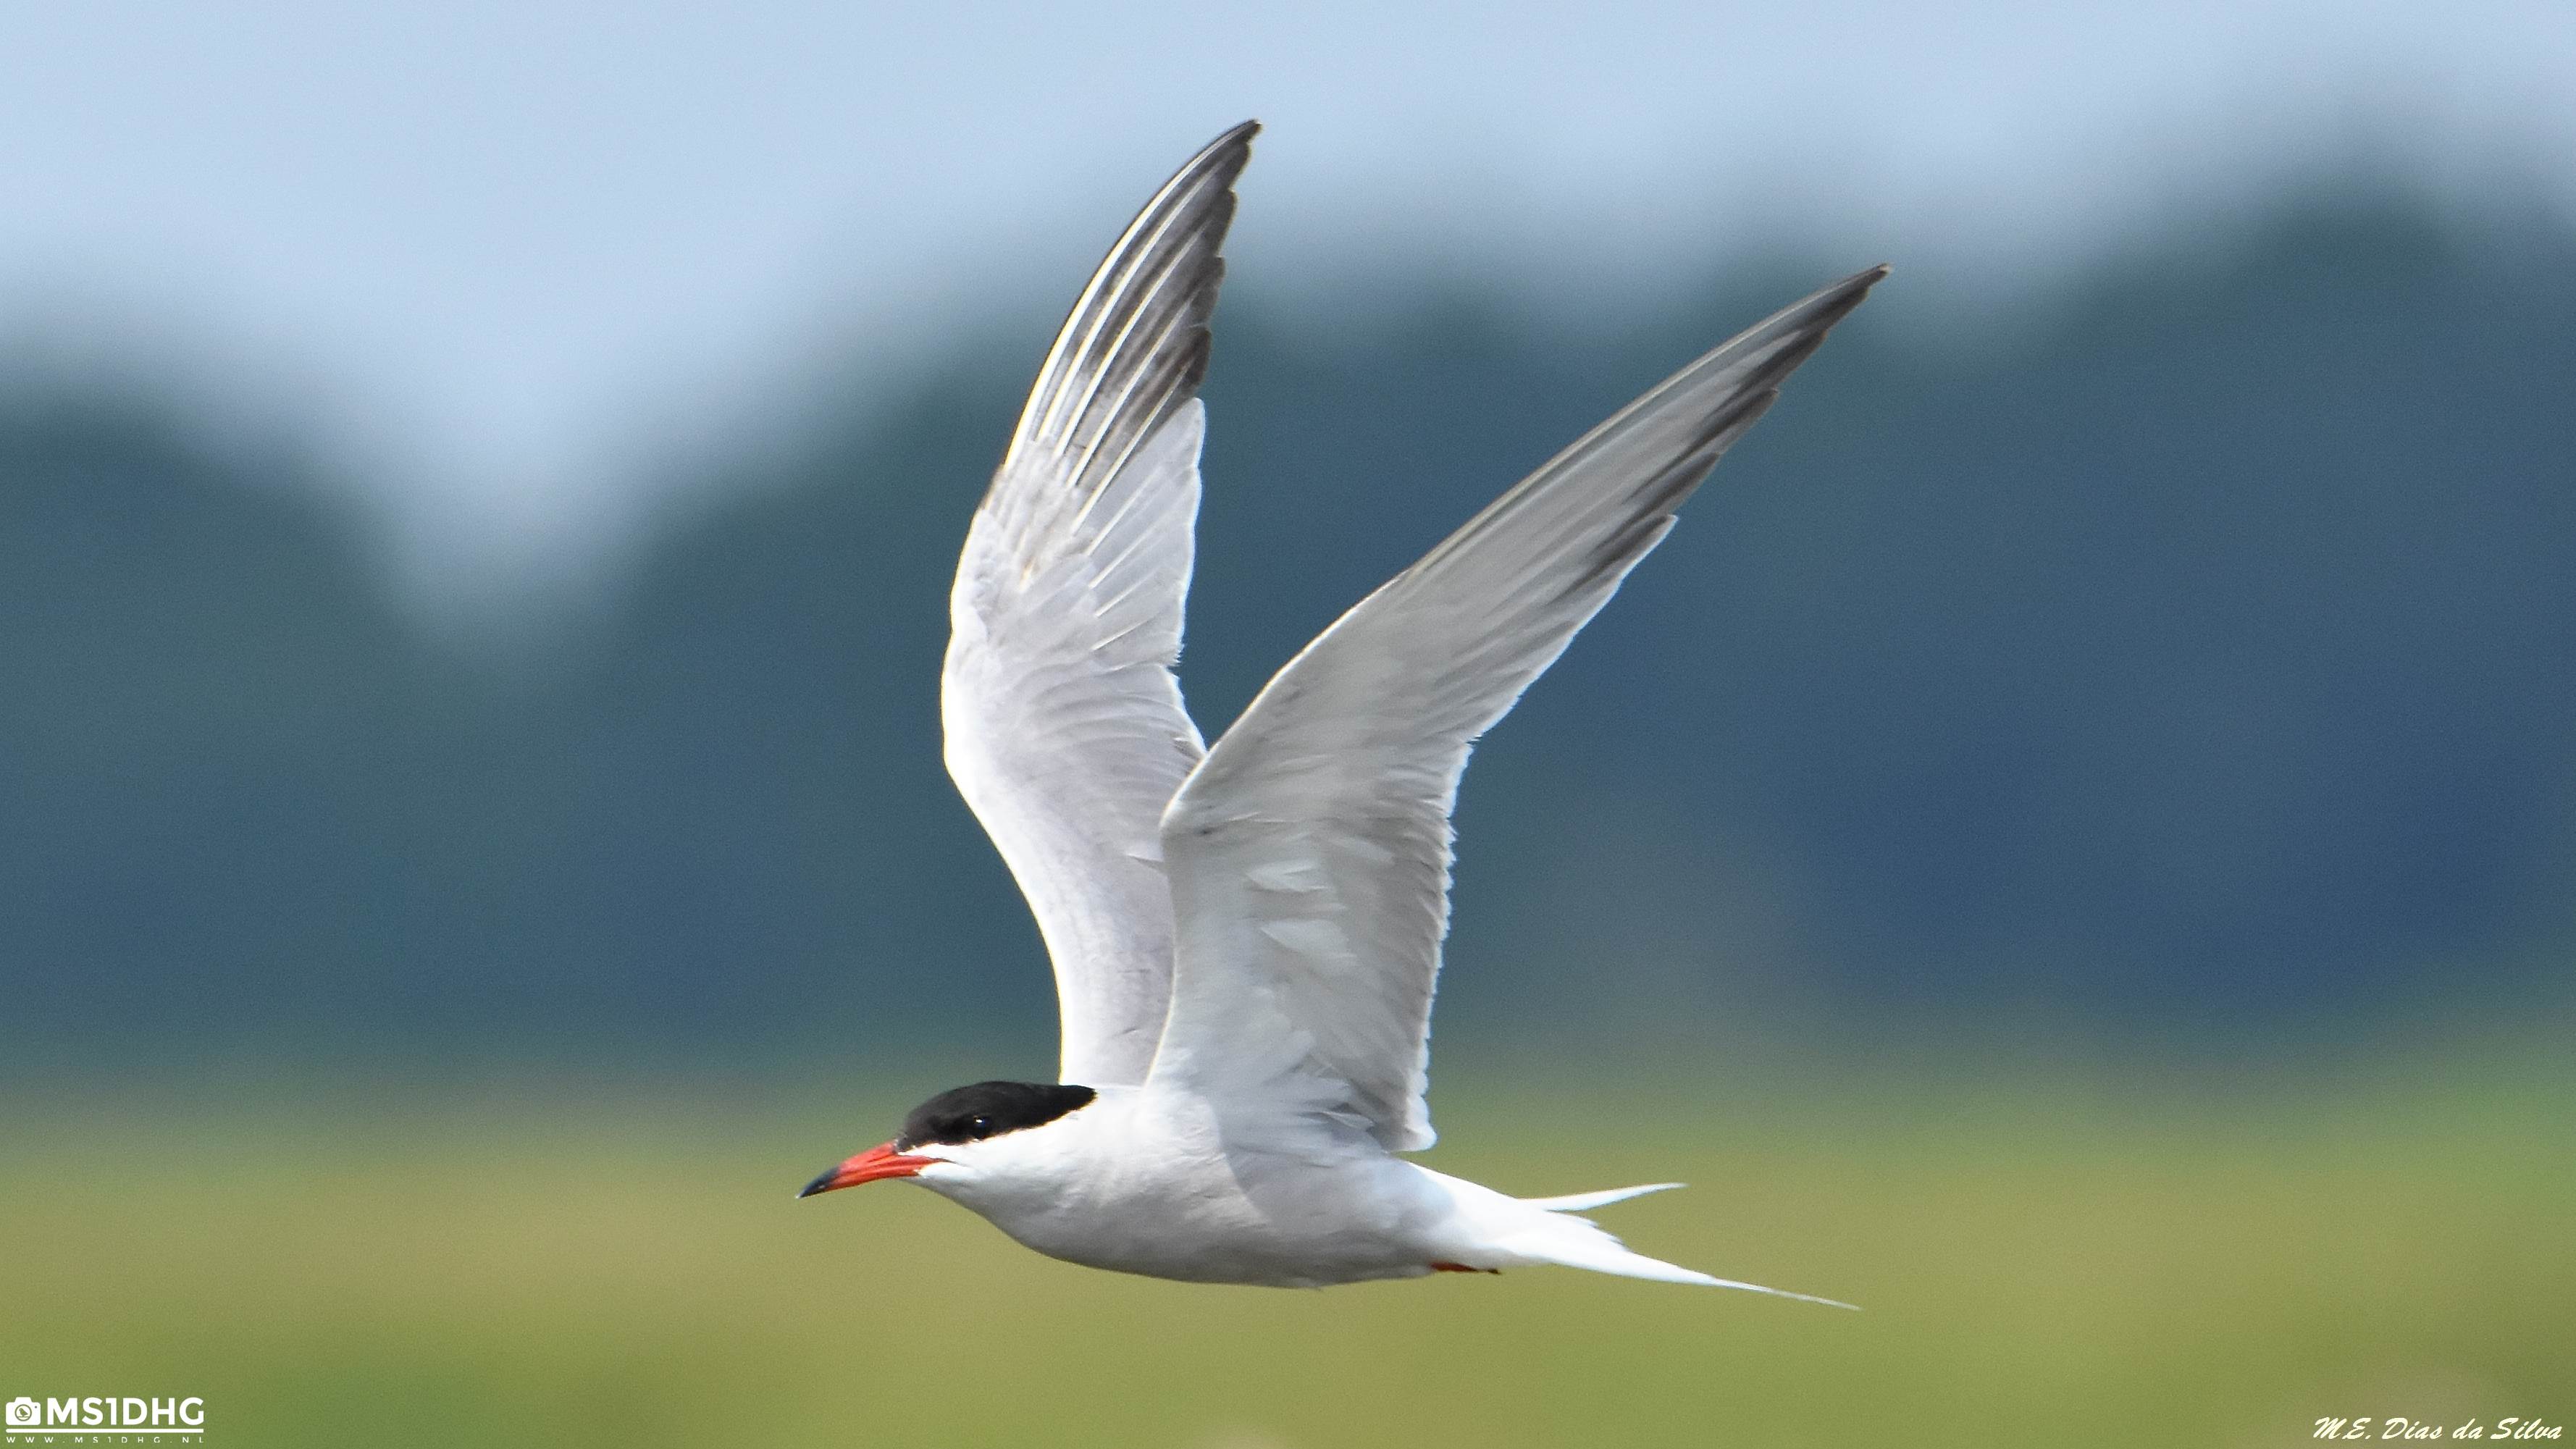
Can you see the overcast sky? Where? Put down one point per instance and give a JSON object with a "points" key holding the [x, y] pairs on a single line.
{"points": [[507, 250]]}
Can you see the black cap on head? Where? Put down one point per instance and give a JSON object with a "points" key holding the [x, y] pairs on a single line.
{"points": [[988, 1109]]}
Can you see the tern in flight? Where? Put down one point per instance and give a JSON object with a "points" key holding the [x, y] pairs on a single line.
{"points": [[1245, 936]]}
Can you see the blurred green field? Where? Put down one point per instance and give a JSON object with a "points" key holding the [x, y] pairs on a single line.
{"points": [[2043, 1258]]}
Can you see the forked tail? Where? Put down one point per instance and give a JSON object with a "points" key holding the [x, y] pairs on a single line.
{"points": [[1584, 1202], [1549, 1237]]}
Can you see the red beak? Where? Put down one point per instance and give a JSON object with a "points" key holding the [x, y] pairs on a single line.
{"points": [[878, 1161]]}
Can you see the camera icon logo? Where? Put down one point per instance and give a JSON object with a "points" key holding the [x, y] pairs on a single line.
{"points": [[24, 1410]]}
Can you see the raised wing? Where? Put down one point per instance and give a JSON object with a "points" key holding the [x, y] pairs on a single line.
{"points": [[1309, 853], [1065, 727]]}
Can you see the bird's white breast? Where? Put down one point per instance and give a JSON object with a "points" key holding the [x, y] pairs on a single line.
{"points": [[1172, 1185]]}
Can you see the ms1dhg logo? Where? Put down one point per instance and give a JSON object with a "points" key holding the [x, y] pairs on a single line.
{"points": [[173, 1421]]}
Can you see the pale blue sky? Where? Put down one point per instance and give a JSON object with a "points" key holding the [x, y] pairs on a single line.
{"points": [[508, 251]]}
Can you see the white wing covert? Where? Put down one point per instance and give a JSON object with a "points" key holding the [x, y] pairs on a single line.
{"points": [[1064, 725], [1310, 852]]}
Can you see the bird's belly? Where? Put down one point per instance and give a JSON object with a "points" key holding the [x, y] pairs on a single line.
{"points": [[1303, 1231]]}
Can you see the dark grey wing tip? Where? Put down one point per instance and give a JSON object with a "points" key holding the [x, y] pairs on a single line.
{"points": [[1821, 309], [1859, 282], [1225, 157], [1149, 299], [1857, 285]]}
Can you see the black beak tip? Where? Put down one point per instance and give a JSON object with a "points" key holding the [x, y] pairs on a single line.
{"points": [[820, 1184]]}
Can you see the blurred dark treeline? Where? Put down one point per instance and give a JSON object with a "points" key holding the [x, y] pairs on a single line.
{"points": [[2195, 651]]}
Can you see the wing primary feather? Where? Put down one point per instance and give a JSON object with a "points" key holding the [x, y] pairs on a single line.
{"points": [[1194, 208], [1164, 374]]}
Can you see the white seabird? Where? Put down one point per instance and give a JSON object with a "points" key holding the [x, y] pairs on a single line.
{"points": [[1246, 936]]}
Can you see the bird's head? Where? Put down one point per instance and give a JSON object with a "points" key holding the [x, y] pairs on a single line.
{"points": [[960, 1135]]}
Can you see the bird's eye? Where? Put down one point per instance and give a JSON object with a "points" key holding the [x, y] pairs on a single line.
{"points": [[980, 1125]]}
